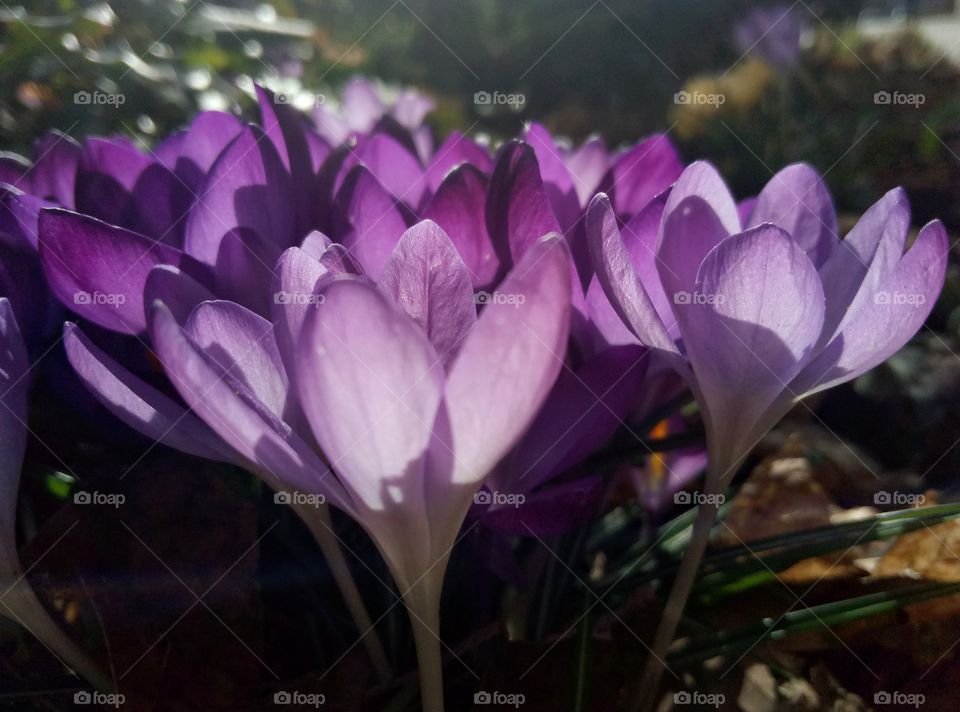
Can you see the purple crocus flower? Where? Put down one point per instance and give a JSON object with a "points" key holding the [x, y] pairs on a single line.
{"points": [[773, 33], [758, 316], [410, 431], [18, 602]]}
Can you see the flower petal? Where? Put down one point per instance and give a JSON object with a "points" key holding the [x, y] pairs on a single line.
{"points": [[235, 415], [370, 384], [518, 210], [247, 187], [138, 404], [427, 279], [371, 221], [750, 330], [509, 362], [618, 277], [459, 207], [892, 312], [99, 270], [453, 152], [797, 201], [642, 172]]}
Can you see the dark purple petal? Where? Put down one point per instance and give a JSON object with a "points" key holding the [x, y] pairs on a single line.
{"points": [[550, 512], [371, 221], [397, 170], [245, 269], [247, 187], [123, 186], [518, 210], [588, 164], [457, 149], [642, 172], [100, 270], [459, 207], [559, 184], [194, 151], [54, 172]]}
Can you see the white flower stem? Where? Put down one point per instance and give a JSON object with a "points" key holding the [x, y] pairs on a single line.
{"points": [[319, 523], [22, 606], [423, 605]]}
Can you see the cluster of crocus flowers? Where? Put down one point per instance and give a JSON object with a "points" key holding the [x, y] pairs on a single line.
{"points": [[348, 312]]}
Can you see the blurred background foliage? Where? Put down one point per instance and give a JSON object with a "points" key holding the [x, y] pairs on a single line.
{"points": [[799, 80]]}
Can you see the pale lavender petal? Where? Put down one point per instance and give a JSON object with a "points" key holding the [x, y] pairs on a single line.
{"points": [[459, 207], [410, 108], [315, 244], [137, 403], [370, 384], [509, 362], [687, 233], [361, 106], [244, 423], [242, 343], [294, 288], [862, 261], [428, 280], [588, 164], [752, 330], [894, 310], [797, 201], [701, 179], [618, 277]]}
